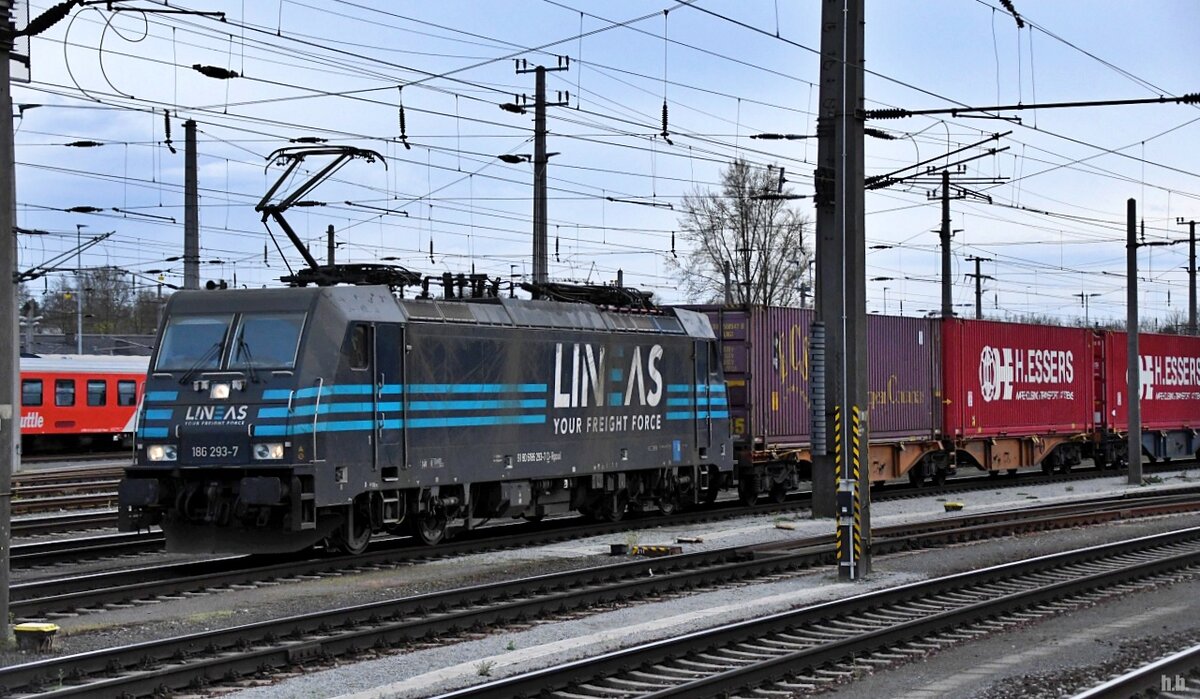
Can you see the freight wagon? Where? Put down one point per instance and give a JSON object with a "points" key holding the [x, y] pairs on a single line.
{"points": [[941, 393], [1017, 395], [765, 355], [1170, 396]]}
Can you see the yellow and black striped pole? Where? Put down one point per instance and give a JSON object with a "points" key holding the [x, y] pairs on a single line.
{"points": [[853, 556]]}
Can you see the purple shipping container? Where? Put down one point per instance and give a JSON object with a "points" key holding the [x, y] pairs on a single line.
{"points": [[766, 362]]}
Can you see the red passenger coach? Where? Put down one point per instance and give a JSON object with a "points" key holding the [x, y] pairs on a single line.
{"points": [[1017, 395], [79, 401], [1170, 395]]}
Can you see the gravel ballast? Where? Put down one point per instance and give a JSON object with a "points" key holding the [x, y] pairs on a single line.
{"points": [[421, 672]]}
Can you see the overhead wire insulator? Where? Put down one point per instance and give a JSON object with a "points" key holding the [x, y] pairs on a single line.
{"points": [[47, 19], [894, 113], [403, 125], [879, 133], [1007, 4], [216, 72], [665, 133], [167, 129]]}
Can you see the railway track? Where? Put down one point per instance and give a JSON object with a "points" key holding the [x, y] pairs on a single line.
{"points": [[1177, 675], [73, 550], [67, 474], [195, 660], [58, 503], [59, 523], [803, 650], [94, 547], [95, 592]]}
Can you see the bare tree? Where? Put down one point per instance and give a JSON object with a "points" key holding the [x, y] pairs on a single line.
{"points": [[108, 302], [749, 228]]}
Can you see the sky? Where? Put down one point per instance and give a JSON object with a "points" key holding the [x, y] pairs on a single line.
{"points": [[1048, 212]]}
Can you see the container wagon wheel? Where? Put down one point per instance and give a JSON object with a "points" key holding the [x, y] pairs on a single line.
{"points": [[779, 492]]}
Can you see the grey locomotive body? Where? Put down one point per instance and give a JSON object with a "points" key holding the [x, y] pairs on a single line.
{"points": [[275, 419]]}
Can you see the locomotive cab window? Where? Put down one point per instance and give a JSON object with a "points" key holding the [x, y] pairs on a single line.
{"points": [[126, 393], [97, 392], [64, 392], [359, 348], [31, 392], [193, 343], [266, 341]]}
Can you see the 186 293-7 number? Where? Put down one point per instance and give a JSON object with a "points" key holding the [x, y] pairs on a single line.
{"points": [[215, 451]]}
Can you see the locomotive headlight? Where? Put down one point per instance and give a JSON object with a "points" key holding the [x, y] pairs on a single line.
{"points": [[219, 391], [268, 451], [161, 452]]}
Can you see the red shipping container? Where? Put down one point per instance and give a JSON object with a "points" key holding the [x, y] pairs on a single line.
{"points": [[1008, 379], [766, 361], [1170, 380]]}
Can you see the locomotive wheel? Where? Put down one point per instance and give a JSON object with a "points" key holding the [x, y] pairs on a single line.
{"points": [[611, 507], [668, 504], [430, 528], [354, 535]]}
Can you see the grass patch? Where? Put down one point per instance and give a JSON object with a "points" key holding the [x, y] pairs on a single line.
{"points": [[205, 617]]}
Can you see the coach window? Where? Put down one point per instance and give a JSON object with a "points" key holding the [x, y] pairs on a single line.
{"points": [[31, 392], [64, 392], [126, 393], [97, 393], [360, 342]]}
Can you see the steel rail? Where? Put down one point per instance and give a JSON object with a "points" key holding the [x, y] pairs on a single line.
{"points": [[58, 523], [72, 550], [1163, 676], [92, 592], [1018, 586], [210, 656]]}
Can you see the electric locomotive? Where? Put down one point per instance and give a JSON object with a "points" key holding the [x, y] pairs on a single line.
{"points": [[274, 419]]}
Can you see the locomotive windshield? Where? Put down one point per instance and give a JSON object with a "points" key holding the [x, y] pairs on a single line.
{"points": [[260, 341], [193, 342], [267, 341]]}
